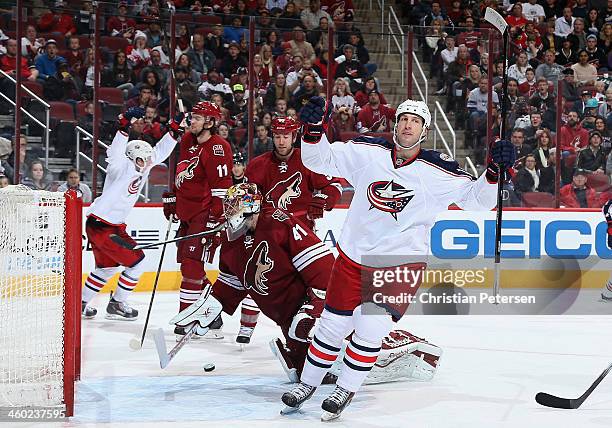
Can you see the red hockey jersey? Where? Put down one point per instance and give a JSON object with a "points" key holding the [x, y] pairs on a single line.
{"points": [[289, 185], [275, 264], [203, 174]]}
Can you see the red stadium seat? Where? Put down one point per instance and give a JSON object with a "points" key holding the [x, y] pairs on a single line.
{"points": [[114, 43], [538, 199], [203, 31], [599, 182], [85, 41], [158, 175], [239, 134], [111, 96], [184, 18], [61, 111], [60, 39], [35, 87], [208, 19], [80, 109]]}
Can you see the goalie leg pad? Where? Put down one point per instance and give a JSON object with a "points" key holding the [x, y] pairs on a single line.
{"points": [[203, 311]]}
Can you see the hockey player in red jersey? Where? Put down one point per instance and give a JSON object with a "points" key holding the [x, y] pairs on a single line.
{"points": [[399, 190], [203, 174], [129, 164], [287, 184]]}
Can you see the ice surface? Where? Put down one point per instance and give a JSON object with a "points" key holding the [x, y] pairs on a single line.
{"points": [[490, 371]]}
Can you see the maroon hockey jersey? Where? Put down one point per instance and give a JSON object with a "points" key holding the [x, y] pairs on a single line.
{"points": [[203, 174], [289, 185], [275, 265]]}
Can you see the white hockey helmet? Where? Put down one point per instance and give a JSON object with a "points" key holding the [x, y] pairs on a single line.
{"points": [[241, 202], [138, 149], [418, 108]]}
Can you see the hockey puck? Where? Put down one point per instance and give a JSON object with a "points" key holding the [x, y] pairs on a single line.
{"points": [[135, 344], [209, 367]]}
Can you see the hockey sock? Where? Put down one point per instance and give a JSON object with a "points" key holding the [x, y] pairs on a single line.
{"points": [[194, 281], [249, 313], [359, 358], [125, 286], [95, 282]]}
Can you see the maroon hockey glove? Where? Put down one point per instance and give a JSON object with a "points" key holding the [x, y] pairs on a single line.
{"points": [[317, 205], [304, 321], [176, 126], [169, 200], [212, 242]]}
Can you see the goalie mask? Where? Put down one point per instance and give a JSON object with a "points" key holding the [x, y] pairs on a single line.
{"points": [[241, 202], [139, 152], [418, 108]]}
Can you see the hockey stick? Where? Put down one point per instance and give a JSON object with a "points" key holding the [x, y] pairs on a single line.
{"points": [[570, 403], [161, 260], [120, 241], [177, 91], [495, 19], [160, 344]]}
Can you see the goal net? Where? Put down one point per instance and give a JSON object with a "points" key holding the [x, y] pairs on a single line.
{"points": [[39, 233]]}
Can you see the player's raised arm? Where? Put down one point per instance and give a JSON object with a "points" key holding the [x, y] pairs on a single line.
{"points": [[165, 146], [318, 155]]}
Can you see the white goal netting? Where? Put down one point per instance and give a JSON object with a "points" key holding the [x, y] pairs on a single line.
{"points": [[32, 249]]}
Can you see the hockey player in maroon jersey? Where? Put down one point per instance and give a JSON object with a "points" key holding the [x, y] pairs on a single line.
{"points": [[287, 184], [203, 174]]}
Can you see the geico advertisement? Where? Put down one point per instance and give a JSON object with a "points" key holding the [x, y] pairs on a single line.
{"points": [[456, 235]]}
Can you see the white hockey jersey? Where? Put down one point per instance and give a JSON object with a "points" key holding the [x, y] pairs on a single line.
{"points": [[123, 182], [395, 202]]}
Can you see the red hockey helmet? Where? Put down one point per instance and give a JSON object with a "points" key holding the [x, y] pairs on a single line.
{"points": [[284, 125], [206, 108]]}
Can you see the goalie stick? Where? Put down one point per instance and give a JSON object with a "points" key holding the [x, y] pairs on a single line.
{"points": [[494, 18], [160, 344], [549, 400], [120, 241]]}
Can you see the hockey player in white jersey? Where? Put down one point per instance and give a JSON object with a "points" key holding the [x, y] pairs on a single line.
{"points": [[129, 165], [399, 190]]}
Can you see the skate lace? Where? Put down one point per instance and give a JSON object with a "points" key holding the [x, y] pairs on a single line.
{"points": [[124, 307], [245, 331], [301, 391], [339, 396]]}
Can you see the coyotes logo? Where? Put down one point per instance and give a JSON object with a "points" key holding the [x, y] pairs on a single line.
{"points": [[185, 170], [284, 191], [389, 197], [135, 185], [256, 268]]}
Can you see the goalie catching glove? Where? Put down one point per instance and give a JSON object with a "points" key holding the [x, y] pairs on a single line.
{"points": [[304, 321], [202, 312], [314, 116]]}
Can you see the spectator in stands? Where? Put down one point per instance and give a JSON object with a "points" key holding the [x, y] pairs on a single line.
{"points": [[268, 60], [214, 84], [552, 10], [573, 136], [580, 9], [284, 61], [299, 46], [263, 26], [456, 73], [545, 103], [57, 20], [311, 17], [261, 76], [534, 12], [87, 75], [585, 73], [341, 11], [349, 67], [597, 56], [564, 25], [318, 36], [31, 44], [343, 121], [232, 61], [193, 76], [362, 54], [433, 45], [73, 182], [600, 91], [549, 40], [590, 113], [578, 36], [521, 148], [517, 70], [605, 108], [527, 179], [374, 116], [577, 194], [74, 55], [321, 63], [606, 136], [86, 121], [516, 19], [581, 104], [121, 25], [566, 56], [161, 71], [342, 96], [307, 90], [277, 91], [543, 146], [280, 108], [119, 75], [436, 14], [144, 99], [4, 181], [62, 86], [262, 143], [289, 18], [549, 69], [214, 41], [183, 39], [8, 64], [47, 63], [513, 101], [235, 31], [593, 157], [202, 59], [35, 178], [605, 38], [528, 87], [188, 90], [82, 20], [569, 91], [477, 103], [467, 85], [535, 128], [448, 55], [469, 37], [237, 108], [593, 22], [296, 78], [362, 97], [138, 53]]}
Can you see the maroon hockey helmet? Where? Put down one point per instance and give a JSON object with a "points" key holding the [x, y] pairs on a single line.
{"points": [[206, 108], [284, 125]]}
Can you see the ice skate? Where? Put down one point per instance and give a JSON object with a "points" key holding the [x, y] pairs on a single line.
{"points": [[294, 399], [120, 311], [244, 336], [88, 312], [215, 329], [334, 404]]}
